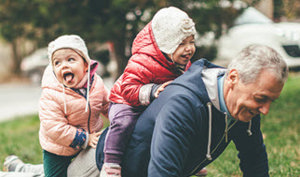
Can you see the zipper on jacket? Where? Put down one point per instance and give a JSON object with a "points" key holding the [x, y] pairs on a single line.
{"points": [[195, 169], [89, 118]]}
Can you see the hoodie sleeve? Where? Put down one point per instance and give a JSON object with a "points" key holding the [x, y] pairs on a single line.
{"points": [[173, 133], [252, 151]]}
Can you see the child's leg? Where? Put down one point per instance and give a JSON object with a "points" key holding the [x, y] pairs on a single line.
{"points": [[12, 163], [84, 164], [19, 174], [55, 165], [122, 121], [32, 168]]}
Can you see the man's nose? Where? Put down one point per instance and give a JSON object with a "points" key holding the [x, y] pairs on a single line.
{"points": [[264, 109]]}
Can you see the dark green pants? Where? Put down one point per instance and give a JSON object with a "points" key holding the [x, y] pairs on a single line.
{"points": [[55, 165]]}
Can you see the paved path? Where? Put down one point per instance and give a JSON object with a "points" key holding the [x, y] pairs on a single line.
{"points": [[17, 99]]}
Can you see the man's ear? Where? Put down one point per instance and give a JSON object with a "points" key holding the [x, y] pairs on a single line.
{"points": [[233, 77]]}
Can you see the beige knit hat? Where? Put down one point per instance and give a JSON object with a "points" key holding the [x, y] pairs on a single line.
{"points": [[170, 27], [69, 41]]}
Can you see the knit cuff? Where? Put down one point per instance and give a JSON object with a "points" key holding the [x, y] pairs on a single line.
{"points": [[144, 94], [85, 144], [153, 90], [80, 139]]}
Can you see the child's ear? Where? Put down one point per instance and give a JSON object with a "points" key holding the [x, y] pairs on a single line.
{"points": [[86, 66]]}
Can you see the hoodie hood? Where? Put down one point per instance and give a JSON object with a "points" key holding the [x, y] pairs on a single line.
{"points": [[206, 88]]}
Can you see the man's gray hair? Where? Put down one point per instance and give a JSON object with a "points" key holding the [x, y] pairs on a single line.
{"points": [[253, 59]]}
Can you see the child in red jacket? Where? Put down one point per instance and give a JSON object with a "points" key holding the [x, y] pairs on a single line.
{"points": [[160, 53]]}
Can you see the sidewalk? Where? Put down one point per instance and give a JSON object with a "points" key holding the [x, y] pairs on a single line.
{"points": [[18, 99]]}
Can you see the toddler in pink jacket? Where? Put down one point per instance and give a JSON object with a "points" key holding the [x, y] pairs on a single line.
{"points": [[73, 97]]}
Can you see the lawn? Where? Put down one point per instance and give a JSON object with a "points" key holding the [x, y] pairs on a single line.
{"points": [[280, 128]]}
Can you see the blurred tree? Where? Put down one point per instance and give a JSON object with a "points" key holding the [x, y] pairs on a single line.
{"points": [[291, 8], [116, 21], [14, 20], [278, 10]]}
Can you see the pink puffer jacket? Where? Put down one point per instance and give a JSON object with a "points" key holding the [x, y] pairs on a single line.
{"points": [[57, 128]]}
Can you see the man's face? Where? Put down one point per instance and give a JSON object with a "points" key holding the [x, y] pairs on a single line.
{"points": [[245, 101]]}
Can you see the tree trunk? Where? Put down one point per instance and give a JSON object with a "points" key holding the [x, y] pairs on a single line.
{"points": [[120, 56], [16, 67], [119, 47]]}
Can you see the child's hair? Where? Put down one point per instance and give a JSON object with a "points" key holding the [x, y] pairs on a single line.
{"points": [[69, 42], [170, 27]]}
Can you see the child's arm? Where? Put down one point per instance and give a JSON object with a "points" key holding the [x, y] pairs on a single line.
{"points": [[151, 91], [139, 77], [160, 88], [136, 83], [83, 139], [93, 139], [55, 126]]}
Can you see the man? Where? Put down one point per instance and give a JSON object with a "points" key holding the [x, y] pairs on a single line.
{"points": [[197, 115]]}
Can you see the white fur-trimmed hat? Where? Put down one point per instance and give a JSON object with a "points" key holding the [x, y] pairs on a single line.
{"points": [[72, 41], [170, 27]]}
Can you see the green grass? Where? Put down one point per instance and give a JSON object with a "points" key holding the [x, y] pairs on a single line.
{"points": [[20, 137], [280, 128]]}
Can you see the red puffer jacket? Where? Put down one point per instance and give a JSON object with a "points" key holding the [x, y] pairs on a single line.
{"points": [[146, 65]]}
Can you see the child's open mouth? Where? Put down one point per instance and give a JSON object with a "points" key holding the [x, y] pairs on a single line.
{"points": [[186, 57], [68, 77]]}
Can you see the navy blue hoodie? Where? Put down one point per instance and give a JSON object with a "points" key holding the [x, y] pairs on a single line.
{"points": [[185, 130]]}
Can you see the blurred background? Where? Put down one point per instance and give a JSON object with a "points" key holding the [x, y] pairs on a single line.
{"points": [[224, 27]]}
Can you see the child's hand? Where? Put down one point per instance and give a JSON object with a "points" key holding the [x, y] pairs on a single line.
{"points": [[93, 139], [161, 88]]}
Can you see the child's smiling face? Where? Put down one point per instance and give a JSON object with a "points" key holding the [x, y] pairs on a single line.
{"points": [[184, 51], [69, 67]]}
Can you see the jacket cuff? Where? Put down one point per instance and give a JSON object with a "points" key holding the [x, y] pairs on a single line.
{"points": [[153, 90], [85, 145], [144, 94], [80, 139]]}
